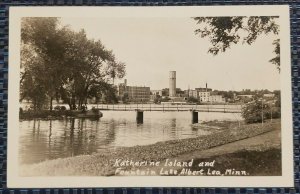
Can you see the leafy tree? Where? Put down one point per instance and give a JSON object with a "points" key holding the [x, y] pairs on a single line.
{"points": [[110, 94], [43, 46], [165, 99], [157, 99], [223, 32], [193, 99], [64, 63], [125, 98], [115, 70], [260, 110]]}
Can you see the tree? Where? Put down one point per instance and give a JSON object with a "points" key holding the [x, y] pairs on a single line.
{"points": [[110, 94], [43, 48], [64, 63], [157, 99], [259, 110], [193, 99], [115, 69], [223, 32], [41, 54], [125, 98]]}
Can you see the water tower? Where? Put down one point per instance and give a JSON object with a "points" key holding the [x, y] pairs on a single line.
{"points": [[172, 84]]}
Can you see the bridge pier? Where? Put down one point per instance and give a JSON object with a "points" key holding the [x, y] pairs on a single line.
{"points": [[139, 116], [194, 116]]}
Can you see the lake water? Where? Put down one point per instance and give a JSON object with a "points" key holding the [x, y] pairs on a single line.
{"points": [[42, 140]]}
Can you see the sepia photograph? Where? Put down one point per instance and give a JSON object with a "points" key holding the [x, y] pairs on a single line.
{"points": [[200, 94]]}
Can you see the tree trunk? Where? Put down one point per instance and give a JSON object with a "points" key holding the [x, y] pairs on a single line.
{"points": [[51, 105], [70, 105]]}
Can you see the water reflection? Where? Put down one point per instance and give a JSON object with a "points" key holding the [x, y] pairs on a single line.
{"points": [[50, 139]]}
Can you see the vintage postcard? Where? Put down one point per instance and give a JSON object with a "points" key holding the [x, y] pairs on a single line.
{"points": [[150, 97]]}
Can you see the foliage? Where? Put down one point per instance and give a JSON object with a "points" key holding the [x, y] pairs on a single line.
{"points": [[58, 63], [60, 108], [193, 99], [223, 32], [258, 111], [225, 94], [109, 93], [125, 98], [157, 99], [165, 99], [276, 59]]}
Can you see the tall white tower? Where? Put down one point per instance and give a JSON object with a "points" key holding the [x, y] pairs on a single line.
{"points": [[172, 84]]}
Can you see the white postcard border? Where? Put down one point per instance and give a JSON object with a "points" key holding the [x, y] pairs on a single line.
{"points": [[15, 181]]}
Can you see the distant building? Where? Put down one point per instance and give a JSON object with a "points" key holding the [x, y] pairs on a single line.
{"points": [[156, 92], [216, 98], [138, 93], [193, 93], [186, 93], [135, 93], [206, 89], [203, 89], [204, 96]]}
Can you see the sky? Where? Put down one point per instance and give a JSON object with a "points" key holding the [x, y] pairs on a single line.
{"points": [[151, 47]]}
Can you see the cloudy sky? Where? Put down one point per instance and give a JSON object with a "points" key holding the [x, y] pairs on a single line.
{"points": [[151, 47]]}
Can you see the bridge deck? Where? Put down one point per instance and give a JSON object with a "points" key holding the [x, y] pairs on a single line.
{"points": [[175, 110], [170, 108]]}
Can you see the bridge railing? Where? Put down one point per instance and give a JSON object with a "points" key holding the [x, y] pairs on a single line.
{"points": [[169, 107]]}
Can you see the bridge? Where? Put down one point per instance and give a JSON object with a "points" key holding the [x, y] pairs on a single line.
{"points": [[194, 109], [170, 108]]}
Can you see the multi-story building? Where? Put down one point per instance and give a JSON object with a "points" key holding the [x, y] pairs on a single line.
{"points": [[204, 96], [134, 93], [203, 89], [138, 93], [193, 93]]}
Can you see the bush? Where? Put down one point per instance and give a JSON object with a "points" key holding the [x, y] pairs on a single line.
{"points": [[21, 110], [60, 108], [63, 108], [193, 99], [255, 111]]}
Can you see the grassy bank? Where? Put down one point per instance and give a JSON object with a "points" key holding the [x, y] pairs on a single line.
{"points": [[254, 162], [45, 114], [58, 114], [102, 163]]}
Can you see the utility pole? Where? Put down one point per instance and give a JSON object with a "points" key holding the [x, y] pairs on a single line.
{"points": [[262, 112], [271, 104]]}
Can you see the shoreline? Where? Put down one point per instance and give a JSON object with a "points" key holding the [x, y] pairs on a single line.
{"points": [[101, 164]]}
